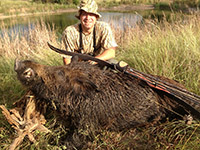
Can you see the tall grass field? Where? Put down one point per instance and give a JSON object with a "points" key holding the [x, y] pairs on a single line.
{"points": [[170, 49]]}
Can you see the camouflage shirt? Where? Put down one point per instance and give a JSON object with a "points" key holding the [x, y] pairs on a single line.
{"points": [[103, 34]]}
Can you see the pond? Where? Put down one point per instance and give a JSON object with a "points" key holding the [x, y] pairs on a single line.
{"points": [[122, 20], [61, 21]]}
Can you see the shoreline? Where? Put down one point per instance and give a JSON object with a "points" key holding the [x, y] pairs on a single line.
{"points": [[2, 17], [119, 8]]}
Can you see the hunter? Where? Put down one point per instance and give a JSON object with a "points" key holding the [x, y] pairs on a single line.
{"points": [[90, 36]]}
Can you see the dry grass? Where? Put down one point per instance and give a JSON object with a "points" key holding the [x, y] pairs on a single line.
{"points": [[169, 49], [28, 44]]}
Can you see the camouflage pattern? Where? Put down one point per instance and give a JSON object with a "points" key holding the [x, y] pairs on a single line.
{"points": [[89, 6], [104, 38]]}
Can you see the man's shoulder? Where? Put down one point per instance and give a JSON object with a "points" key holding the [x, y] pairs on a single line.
{"points": [[72, 28], [102, 24], [103, 27]]}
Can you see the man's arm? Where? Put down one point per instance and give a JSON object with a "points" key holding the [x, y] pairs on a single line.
{"points": [[68, 37], [107, 54]]}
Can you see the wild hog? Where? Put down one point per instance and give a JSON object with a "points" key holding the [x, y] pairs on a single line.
{"points": [[93, 99]]}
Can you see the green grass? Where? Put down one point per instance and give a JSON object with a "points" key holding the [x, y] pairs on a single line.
{"points": [[25, 7], [168, 49], [14, 7], [162, 4]]}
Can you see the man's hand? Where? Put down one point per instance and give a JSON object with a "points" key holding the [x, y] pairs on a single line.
{"points": [[66, 61], [92, 62]]}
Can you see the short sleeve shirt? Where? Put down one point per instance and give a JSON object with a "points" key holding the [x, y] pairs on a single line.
{"points": [[103, 35]]}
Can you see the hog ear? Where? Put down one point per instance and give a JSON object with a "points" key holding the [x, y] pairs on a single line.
{"points": [[16, 64], [82, 85]]}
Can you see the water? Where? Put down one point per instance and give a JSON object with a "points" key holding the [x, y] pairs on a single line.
{"points": [[21, 25]]}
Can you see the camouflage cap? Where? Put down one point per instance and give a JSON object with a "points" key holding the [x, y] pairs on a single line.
{"points": [[89, 6]]}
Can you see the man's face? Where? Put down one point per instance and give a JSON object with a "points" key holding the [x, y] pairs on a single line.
{"points": [[88, 20]]}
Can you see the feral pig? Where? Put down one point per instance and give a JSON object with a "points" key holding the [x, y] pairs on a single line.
{"points": [[94, 99]]}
